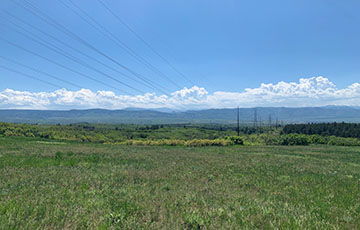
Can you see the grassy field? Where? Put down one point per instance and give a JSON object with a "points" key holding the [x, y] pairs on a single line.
{"points": [[65, 185]]}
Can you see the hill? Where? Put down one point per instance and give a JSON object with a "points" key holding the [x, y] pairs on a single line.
{"points": [[142, 116]]}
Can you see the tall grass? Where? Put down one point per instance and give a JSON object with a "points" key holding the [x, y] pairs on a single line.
{"points": [[46, 185]]}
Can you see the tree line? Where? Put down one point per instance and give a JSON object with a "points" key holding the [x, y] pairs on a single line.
{"points": [[325, 129]]}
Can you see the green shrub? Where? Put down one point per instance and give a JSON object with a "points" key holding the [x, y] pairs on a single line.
{"points": [[190, 143], [341, 141], [200, 143], [153, 142], [317, 139], [172, 142], [294, 139], [235, 140], [269, 139]]}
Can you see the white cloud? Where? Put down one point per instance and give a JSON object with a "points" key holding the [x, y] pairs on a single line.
{"points": [[315, 91]]}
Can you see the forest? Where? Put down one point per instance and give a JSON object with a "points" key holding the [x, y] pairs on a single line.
{"points": [[325, 129]]}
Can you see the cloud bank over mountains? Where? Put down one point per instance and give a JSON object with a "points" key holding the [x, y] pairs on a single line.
{"points": [[315, 91]]}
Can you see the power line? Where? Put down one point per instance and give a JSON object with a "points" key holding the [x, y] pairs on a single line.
{"points": [[40, 72], [29, 76], [111, 36], [145, 42], [75, 37], [67, 55], [47, 19], [34, 10], [59, 64], [83, 53]]}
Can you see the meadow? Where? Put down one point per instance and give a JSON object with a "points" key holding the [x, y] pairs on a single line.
{"points": [[52, 184]]}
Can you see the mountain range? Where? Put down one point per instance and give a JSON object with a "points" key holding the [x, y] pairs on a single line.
{"points": [[226, 116]]}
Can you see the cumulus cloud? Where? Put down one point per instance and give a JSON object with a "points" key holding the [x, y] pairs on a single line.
{"points": [[315, 91]]}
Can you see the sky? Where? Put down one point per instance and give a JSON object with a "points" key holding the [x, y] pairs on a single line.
{"points": [[179, 54]]}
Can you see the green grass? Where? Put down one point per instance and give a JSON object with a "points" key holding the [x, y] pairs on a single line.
{"points": [[68, 185]]}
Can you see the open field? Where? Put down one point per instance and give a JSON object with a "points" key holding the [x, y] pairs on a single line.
{"points": [[67, 185]]}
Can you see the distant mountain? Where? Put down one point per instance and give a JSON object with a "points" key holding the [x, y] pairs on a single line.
{"points": [[165, 110], [145, 116]]}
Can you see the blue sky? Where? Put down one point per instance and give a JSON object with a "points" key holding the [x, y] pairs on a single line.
{"points": [[227, 45]]}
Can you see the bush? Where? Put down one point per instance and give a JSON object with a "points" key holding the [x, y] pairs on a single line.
{"points": [[200, 143], [294, 139], [172, 142], [235, 140], [190, 143], [341, 141], [269, 139], [317, 139]]}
